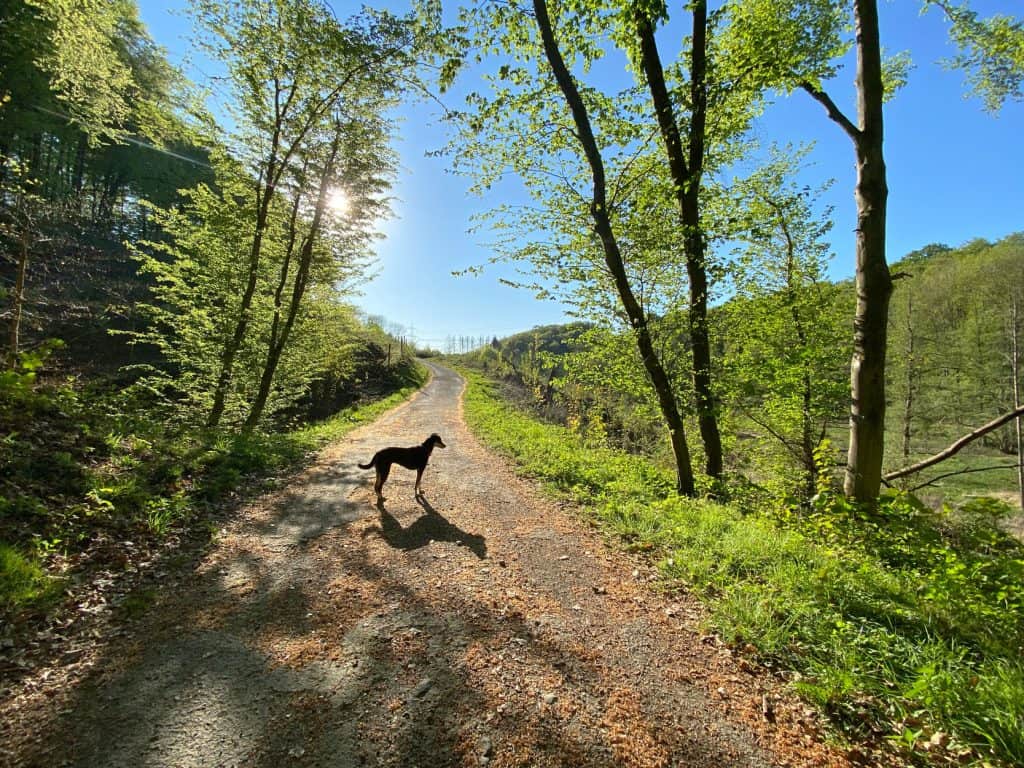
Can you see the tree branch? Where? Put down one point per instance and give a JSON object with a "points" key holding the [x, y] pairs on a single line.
{"points": [[961, 472], [957, 446], [833, 111]]}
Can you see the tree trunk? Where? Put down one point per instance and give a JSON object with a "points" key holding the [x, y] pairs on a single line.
{"points": [[266, 186], [278, 341], [807, 441], [908, 399], [613, 257], [18, 298], [863, 478], [874, 283], [687, 179], [234, 343]]}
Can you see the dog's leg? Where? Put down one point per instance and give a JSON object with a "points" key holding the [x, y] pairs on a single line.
{"points": [[382, 476], [419, 476]]}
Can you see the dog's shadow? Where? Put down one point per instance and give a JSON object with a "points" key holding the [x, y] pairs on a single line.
{"points": [[432, 526]]}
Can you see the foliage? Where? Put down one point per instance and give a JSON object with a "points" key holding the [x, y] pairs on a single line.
{"points": [[990, 51], [901, 621], [83, 63], [195, 285], [785, 344]]}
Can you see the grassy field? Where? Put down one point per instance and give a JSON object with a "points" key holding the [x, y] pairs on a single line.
{"points": [[903, 624]]}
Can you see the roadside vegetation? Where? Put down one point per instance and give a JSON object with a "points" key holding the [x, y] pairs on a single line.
{"points": [[85, 472], [903, 620], [902, 624]]}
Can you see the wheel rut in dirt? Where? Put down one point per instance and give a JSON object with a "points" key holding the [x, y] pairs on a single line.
{"points": [[478, 624]]}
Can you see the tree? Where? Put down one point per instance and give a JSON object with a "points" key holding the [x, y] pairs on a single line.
{"points": [[686, 166], [340, 237], [613, 221], [784, 342], [290, 65], [195, 282], [612, 254], [795, 44]]}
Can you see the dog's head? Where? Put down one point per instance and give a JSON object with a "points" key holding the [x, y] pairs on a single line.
{"points": [[435, 440]]}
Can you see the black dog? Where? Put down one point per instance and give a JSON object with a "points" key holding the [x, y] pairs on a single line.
{"points": [[410, 458]]}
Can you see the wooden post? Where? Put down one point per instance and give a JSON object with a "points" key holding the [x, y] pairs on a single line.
{"points": [[1015, 366]]}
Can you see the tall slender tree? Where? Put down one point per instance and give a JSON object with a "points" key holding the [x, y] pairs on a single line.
{"points": [[612, 254], [686, 166]]}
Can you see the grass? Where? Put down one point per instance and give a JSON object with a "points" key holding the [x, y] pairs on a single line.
{"points": [[23, 581], [73, 476], [905, 624]]}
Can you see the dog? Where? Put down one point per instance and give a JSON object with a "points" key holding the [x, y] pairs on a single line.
{"points": [[415, 457]]}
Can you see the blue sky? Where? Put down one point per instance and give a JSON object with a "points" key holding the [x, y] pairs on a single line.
{"points": [[955, 173]]}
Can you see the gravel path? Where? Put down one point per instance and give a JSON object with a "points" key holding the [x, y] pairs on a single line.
{"points": [[479, 625]]}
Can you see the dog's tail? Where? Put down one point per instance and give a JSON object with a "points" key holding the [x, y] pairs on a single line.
{"points": [[370, 464]]}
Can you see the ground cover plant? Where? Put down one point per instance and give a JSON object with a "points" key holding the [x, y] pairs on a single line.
{"points": [[905, 626]]}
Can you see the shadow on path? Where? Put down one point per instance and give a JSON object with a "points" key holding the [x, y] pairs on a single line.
{"points": [[432, 526]]}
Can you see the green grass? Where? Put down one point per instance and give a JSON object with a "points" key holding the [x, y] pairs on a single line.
{"points": [[902, 622], [23, 580]]}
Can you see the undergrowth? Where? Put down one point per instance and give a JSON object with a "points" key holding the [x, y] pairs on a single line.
{"points": [[76, 472], [905, 626]]}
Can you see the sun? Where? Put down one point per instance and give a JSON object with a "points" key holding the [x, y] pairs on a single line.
{"points": [[338, 201]]}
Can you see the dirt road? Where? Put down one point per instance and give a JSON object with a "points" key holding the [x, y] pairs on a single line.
{"points": [[479, 625]]}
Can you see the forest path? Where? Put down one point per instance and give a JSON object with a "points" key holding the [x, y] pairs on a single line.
{"points": [[479, 625]]}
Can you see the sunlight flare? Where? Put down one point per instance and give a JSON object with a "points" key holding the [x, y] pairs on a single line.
{"points": [[338, 202]]}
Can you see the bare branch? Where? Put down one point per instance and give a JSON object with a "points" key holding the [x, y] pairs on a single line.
{"points": [[834, 112], [957, 446]]}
